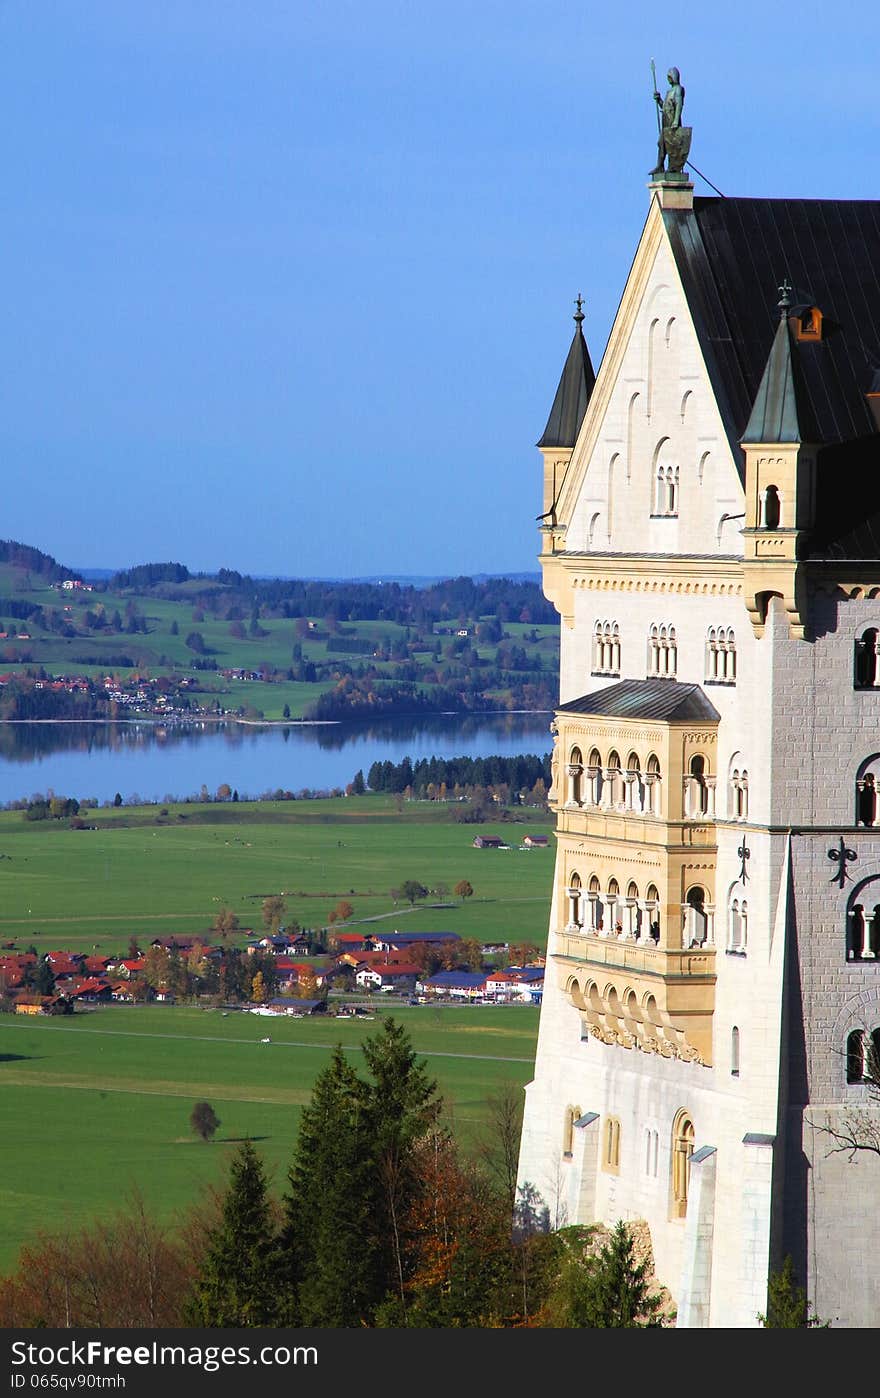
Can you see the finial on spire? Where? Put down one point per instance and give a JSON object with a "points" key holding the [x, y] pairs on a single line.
{"points": [[579, 313], [784, 296]]}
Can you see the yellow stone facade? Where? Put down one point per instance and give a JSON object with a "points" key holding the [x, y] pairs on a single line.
{"points": [[635, 803]]}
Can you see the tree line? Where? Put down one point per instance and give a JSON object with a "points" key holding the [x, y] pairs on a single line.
{"points": [[516, 773], [384, 1222]]}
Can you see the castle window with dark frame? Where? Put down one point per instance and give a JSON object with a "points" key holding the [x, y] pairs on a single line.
{"points": [[866, 661], [862, 1055]]}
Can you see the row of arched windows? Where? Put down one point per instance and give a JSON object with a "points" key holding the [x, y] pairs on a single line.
{"points": [[662, 653], [629, 917], [610, 785], [632, 918], [721, 656], [606, 648], [666, 491]]}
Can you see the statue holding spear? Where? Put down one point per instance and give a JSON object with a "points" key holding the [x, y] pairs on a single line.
{"points": [[673, 139]]}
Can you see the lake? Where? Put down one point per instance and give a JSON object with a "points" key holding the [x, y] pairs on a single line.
{"points": [[154, 761]]}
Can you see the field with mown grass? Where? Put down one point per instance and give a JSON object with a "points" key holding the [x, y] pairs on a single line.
{"points": [[97, 1106], [150, 871]]}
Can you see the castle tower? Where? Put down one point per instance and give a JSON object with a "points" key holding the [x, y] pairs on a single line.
{"points": [[711, 540]]}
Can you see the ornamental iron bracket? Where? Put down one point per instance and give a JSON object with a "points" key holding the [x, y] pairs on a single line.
{"points": [[841, 857], [744, 854]]}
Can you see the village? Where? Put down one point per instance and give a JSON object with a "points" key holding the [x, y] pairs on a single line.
{"points": [[288, 977]]}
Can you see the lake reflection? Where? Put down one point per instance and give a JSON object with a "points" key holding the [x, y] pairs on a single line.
{"points": [[157, 761]]}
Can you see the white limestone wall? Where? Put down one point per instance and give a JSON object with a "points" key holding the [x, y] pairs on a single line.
{"points": [[661, 413]]}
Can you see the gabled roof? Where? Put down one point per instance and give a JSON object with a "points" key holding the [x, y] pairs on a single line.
{"points": [[662, 699], [733, 254], [573, 393]]}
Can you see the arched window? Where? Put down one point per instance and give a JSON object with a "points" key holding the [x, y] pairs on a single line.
{"points": [[606, 648], [652, 1140], [682, 1150], [652, 785], [632, 913], [734, 1052], [696, 788], [666, 490], [696, 921], [633, 790], [595, 905], [653, 652], [575, 777], [611, 1152], [867, 660], [575, 904], [738, 924], [771, 510], [867, 787], [863, 922], [594, 777], [572, 1114], [652, 904], [855, 1056], [738, 794], [720, 655], [862, 1056], [614, 778], [612, 902], [662, 652]]}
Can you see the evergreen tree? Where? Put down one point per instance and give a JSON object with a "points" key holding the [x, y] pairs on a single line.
{"points": [[45, 979], [237, 1283], [610, 1291], [402, 1106], [328, 1242], [787, 1304]]}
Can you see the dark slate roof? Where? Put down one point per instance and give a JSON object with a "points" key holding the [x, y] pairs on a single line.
{"points": [[733, 254], [572, 395], [781, 411], [662, 699]]}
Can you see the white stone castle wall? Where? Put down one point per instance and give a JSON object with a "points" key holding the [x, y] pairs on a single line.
{"points": [[796, 724]]}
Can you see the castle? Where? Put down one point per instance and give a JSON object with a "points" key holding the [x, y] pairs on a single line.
{"points": [[711, 539]]}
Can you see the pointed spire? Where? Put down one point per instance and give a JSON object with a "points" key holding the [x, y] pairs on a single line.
{"points": [[781, 411], [573, 393]]}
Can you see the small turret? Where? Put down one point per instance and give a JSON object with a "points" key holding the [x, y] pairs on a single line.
{"points": [[780, 445], [564, 423]]}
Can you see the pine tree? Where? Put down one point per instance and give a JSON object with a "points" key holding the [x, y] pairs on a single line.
{"points": [[328, 1241], [609, 1291], [237, 1283], [402, 1106]]}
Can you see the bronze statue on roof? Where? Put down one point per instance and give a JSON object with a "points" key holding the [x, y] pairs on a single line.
{"points": [[674, 140]]}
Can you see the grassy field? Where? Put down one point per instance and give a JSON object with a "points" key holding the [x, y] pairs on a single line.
{"points": [[99, 1105], [161, 648], [144, 872]]}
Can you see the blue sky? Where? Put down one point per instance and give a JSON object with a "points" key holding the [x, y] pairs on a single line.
{"points": [[287, 286]]}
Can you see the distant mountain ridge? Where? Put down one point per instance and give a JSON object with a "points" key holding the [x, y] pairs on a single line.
{"points": [[374, 579]]}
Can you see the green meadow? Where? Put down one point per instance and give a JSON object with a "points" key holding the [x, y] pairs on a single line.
{"points": [[152, 871], [97, 1106]]}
